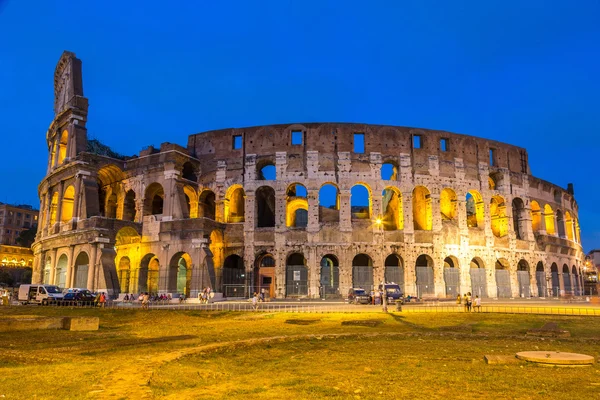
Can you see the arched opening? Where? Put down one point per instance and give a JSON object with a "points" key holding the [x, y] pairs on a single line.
{"points": [[540, 279], [264, 271], [330, 277], [124, 274], [567, 280], [519, 218], [296, 276], [394, 270], [421, 207], [503, 278], [148, 274], [560, 224], [265, 207], [389, 171], [191, 202], [129, 206], [392, 209], [62, 147], [60, 276], [536, 216], [478, 278], [569, 225], [111, 206], [82, 263], [235, 209], [362, 272], [576, 282], [549, 219], [523, 278], [189, 172], [68, 201], [153, 200], [329, 204], [475, 209], [452, 277], [448, 204], [296, 206], [360, 202], [555, 280], [180, 274], [53, 208], [491, 184], [266, 171], [234, 277], [498, 218], [424, 272], [206, 204]]}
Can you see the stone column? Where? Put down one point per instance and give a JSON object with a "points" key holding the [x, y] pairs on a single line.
{"points": [[37, 267], [70, 269], [171, 207], [408, 212], [59, 206], [435, 211], [53, 269], [345, 211], [313, 210], [492, 287], [280, 210], [91, 285]]}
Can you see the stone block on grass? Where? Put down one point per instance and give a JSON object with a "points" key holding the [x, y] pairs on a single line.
{"points": [[81, 323]]}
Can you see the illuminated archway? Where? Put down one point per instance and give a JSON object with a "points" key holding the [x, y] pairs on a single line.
{"points": [[191, 201], [124, 271], [421, 207], [475, 209], [180, 273], [329, 203], [62, 147], [66, 213], [569, 225], [360, 201], [296, 206], [448, 204], [329, 277], [393, 215], [207, 206], [53, 208], [549, 219], [536, 216], [60, 275], [519, 214], [235, 208], [149, 274], [264, 270], [498, 218], [154, 199], [82, 265]]}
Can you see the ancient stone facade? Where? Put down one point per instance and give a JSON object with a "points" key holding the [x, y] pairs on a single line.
{"points": [[302, 210]]}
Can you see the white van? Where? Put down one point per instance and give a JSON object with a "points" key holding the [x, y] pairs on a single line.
{"points": [[39, 294]]}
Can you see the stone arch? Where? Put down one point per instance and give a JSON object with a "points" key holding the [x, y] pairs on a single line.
{"points": [[540, 279], [554, 275], [129, 208], [425, 276], [421, 208], [216, 248], [189, 172], [235, 208], [329, 277], [503, 278], [296, 276], [536, 216], [124, 274], [62, 147], [567, 284], [68, 201], [362, 272], [264, 271], [560, 223], [110, 209], [296, 206], [81, 268], [191, 201], [234, 276], [329, 203], [498, 218], [180, 273], [475, 209], [549, 219], [491, 183], [452, 276], [575, 281], [265, 207], [393, 215], [394, 270], [154, 199], [448, 204], [519, 218], [389, 170], [360, 201], [60, 275], [53, 208], [207, 204], [148, 277], [523, 278], [569, 226], [478, 277], [266, 170], [108, 180]]}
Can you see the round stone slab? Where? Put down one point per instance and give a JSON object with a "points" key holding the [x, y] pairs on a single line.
{"points": [[556, 358]]}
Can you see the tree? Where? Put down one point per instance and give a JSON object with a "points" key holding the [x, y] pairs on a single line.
{"points": [[27, 237]]}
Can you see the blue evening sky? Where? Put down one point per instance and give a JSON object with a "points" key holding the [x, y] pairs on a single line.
{"points": [[522, 72]]}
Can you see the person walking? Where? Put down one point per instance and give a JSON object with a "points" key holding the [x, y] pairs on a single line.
{"points": [[255, 301], [469, 301], [102, 300], [145, 301], [465, 302], [477, 304], [458, 299]]}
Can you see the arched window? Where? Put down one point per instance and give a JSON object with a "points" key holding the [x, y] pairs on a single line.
{"points": [[265, 207], [296, 276], [191, 202], [329, 204], [540, 278], [129, 206], [68, 200], [448, 203], [498, 217], [569, 225], [518, 210], [189, 172], [53, 208], [235, 205], [478, 278], [389, 171], [421, 203], [330, 277], [523, 278], [503, 278], [153, 202], [111, 206], [62, 147], [536, 216], [360, 202], [362, 272], [392, 209], [207, 206], [296, 206], [452, 277], [560, 223], [475, 209], [425, 278], [394, 270], [549, 219], [266, 171]]}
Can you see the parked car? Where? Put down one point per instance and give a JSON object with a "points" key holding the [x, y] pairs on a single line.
{"points": [[81, 297], [358, 296], [393, 292]]}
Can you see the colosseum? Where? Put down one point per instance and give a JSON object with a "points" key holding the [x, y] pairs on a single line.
{"points": [[300, 210]]}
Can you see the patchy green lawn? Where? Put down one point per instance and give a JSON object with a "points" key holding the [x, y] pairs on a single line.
{"points": [[196, 354]]}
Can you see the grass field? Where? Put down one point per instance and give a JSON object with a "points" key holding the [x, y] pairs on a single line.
{"points": [[196, 354]]}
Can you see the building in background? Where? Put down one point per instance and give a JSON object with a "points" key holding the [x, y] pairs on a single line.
{"points": [[300, 210], [591, 267], [15, 219]]}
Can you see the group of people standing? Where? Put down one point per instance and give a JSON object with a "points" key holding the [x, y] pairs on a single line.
{"points": [[205, 295], [468, 302]]}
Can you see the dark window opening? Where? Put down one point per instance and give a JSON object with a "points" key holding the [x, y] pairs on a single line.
{"points": [[237, 142], [444, 144], [417, 142], [492, 157]]}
